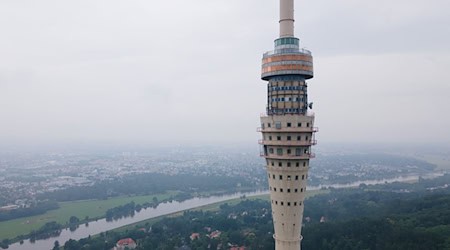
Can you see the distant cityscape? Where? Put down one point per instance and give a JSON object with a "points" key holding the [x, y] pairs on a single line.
{"points": [[23, 176]]}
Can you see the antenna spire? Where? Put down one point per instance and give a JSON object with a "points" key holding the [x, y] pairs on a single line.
{"points": [[287, 18]]}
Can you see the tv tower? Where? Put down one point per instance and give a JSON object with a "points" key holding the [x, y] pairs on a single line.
{"points": [[287, 130]]}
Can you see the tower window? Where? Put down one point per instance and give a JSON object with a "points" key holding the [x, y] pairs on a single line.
{"points": [[288, 138], [288, 151], [279, 151], [282, 204], [271, 150], [278, 125], [276, 202], [297, 164], [269, 125], [288, 177], [307, 124], [281, 190], [289, 204], [295, 203], [289, 124], [298, 124], [301, 190], [299, 138], [273, 176], [274, 189], [278, 138], [272, 163], [304, 164], [296, 177], [280, 164], [289, 190], [296, 190], [270, 137], [281, 177], [288, 164], [303, 177]]}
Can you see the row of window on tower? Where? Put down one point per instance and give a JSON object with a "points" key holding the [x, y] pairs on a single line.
{"points": [[281, 190], [286, 111], [287, 88], [288, 99], [288, 164], [288, 177], [278, 125], [288, 203], [298, 151], [288, 138]]}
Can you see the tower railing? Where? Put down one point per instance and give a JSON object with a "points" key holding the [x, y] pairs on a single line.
{"points": [[287, 143], [288, 156]]}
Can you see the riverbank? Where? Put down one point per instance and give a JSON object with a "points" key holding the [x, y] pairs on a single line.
{"points": [[210, 207], [102, 225], [86, 211]]}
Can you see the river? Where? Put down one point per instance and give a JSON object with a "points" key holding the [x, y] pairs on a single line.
{"points": [[96, 227]]}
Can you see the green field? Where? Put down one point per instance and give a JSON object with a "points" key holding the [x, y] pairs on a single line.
{"points": [[93, 208], [211, 207]]}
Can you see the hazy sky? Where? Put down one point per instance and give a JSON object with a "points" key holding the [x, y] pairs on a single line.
{"points": [[188, 72]]}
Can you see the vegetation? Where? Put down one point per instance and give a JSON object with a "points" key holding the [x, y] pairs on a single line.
{"points": [[86, 210], [46, 231], [252, 217], [36, 209], [418, 217], [145, 184], [379, 220], [122, 211]]}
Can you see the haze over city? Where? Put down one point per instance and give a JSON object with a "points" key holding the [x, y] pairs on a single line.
{"points": [[186, 72], [224, 125]]}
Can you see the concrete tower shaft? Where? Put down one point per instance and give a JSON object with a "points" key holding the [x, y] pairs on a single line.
{"points": [[287, 130]]}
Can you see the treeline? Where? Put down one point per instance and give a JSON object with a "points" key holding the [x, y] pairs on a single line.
{"points": [[122, 211], [151, 183], [36, 209], [50, 229]]}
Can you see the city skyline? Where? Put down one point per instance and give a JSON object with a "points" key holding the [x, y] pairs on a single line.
{"points": [[99, 73]]}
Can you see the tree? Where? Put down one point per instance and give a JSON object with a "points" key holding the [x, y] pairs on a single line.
{"points": [[74, 220], [56, 245]]}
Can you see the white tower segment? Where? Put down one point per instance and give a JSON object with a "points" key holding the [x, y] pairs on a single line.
{"points": [[287, 130]]}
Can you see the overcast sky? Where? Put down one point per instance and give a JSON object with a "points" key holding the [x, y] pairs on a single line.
{"points": [[188, 72]]}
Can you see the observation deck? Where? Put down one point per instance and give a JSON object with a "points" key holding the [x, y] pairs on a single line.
{"points": [[287, 59]]}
